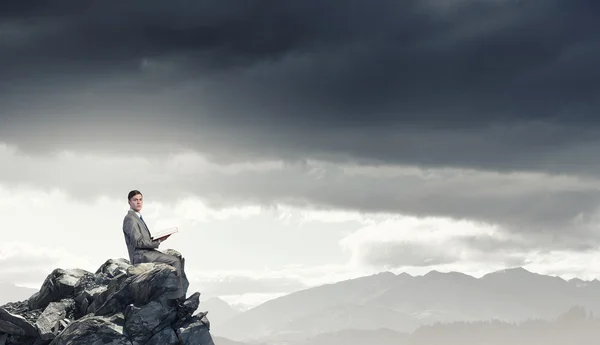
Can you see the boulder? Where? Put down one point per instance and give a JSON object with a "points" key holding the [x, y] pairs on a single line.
{"points": [[119, 304], [165, 337], [113, 299], [92, 330], [142, 322], [95, 301], [195, 331], [189, 306], [173, 252], [150, 283], [154, 283], [114, 267], [58, 285], [52, 319], [16, 324]]}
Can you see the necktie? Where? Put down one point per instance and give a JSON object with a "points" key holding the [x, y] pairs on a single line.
{"points": [[142, 219]]}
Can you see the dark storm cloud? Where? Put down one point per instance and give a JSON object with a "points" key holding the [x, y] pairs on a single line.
{"points": [[383, 80]]}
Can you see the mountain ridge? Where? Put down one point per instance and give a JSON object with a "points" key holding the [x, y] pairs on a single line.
{"points": [[515, 294], [13, 293]]}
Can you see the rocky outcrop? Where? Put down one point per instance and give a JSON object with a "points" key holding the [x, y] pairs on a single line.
{"points": [[118, 304]]}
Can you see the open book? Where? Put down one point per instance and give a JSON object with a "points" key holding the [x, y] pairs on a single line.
{"points": [[164, 232]]}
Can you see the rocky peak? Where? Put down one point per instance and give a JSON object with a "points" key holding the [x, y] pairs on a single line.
{"points": [[118, 304]]}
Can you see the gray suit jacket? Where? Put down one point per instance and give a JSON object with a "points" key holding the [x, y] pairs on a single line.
{"points": [[137, 237]]}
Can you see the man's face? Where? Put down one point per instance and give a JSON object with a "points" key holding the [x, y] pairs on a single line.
{"points": [[136, 202]]}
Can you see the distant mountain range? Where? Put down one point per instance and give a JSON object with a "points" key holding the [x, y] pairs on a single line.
{"points": [[218, 310], [12, 293], [402, 303]]}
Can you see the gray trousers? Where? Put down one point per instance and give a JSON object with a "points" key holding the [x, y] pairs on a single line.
{"points": [[169, 257]]}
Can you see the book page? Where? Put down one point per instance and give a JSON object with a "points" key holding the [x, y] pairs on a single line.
{"points": [[164, 232]]}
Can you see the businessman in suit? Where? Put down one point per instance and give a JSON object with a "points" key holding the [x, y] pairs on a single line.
{"points": [[142, 248]]}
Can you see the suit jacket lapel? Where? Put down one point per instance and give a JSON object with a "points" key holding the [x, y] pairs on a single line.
{"points": [[142, 224]]}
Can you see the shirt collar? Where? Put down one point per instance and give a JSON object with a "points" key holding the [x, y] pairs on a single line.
{"points": [[136, 212]]}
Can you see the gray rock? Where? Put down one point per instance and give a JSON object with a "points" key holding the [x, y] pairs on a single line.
{"points": [[16, 307], [115, 299], [49, 323], [22, 309], [147, 283], [16, 324], [165, 337], [173, 252], [89, 287], [90, 282], [120, 304], [59, 327], [195, 331], [114, 267], [95, 301], [85, 298], [22, 340], [154, 283], [92, 330], [118, 319], [189, 306], [142, 322], [58, 285]]}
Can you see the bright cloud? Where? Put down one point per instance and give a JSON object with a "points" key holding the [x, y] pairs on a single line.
{"points": [[405, 241], [28, 264]]}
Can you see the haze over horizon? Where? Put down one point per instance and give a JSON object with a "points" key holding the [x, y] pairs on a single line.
{"points": [[298, 144]]}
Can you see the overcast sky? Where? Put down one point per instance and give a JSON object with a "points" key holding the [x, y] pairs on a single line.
{"points": [[298, 143]]}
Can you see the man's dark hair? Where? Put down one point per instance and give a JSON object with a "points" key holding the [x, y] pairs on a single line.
{"points": [[133, 193]]}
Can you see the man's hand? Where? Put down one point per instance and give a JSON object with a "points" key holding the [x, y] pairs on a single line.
{"points": [[162, 239]]}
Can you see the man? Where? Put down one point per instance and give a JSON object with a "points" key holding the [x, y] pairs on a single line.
{"points": [[142, 248]]}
